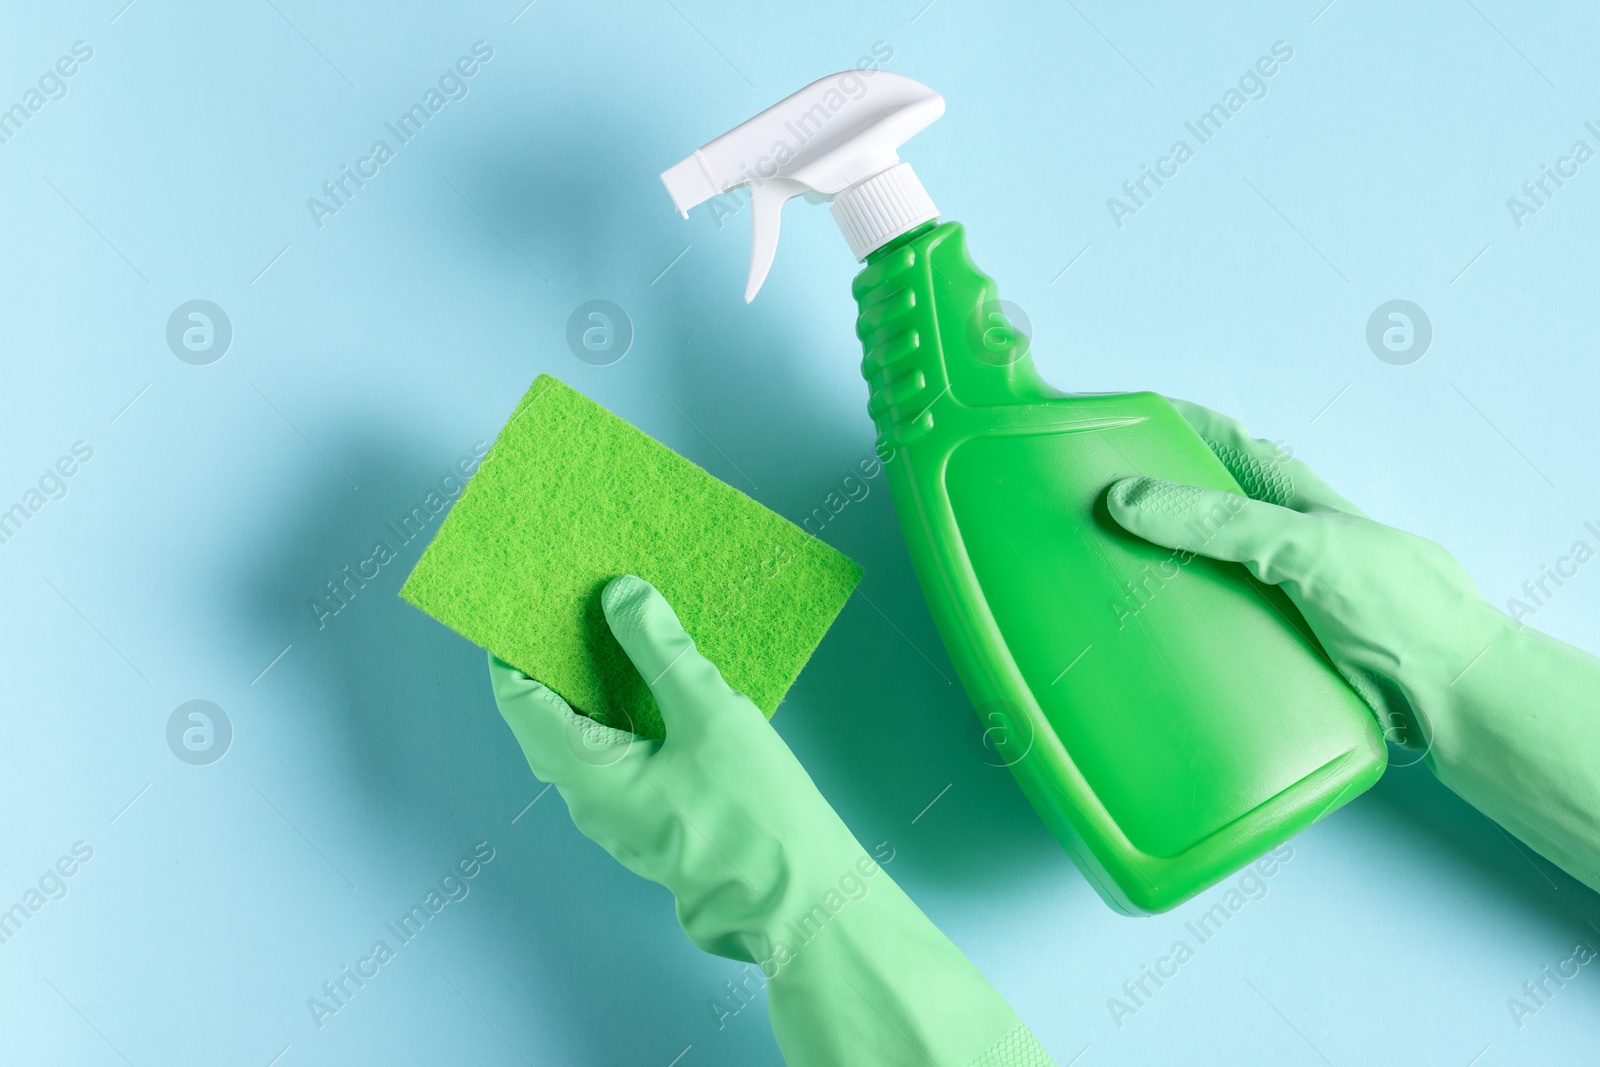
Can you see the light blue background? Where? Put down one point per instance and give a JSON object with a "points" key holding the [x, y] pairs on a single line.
{"points": [[375, 350]]}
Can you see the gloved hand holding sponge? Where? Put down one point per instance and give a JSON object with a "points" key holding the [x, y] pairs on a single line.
{"points": [[763, 870], [670, 769]]}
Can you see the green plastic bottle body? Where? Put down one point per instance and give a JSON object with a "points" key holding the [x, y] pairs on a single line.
{"points": [[1170, 717]]}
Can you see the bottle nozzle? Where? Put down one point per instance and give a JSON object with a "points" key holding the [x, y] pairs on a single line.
{"points": [[837, 139]]}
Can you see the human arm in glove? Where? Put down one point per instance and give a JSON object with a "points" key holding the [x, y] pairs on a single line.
{"points": [[1507, 717], [762, 869]]}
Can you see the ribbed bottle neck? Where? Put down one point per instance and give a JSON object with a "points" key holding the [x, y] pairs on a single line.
{"points": [[883, 207]]}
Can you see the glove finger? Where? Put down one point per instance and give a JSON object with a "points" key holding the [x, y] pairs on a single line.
{"points": [[561, 745], [1265, 471], [687, 686], [1279, 545]]}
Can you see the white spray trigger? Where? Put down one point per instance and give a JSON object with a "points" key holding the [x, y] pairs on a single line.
{"points": [[836, 140], [766, 214]]}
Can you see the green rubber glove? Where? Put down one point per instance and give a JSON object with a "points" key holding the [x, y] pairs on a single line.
{"points": [[1505, 716], [763, 870]]}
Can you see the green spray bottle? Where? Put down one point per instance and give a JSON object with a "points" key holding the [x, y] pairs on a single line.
{"points": [[1170, 718]]}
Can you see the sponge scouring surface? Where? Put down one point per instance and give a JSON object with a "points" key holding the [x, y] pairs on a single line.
{"points": [[569, 497]]}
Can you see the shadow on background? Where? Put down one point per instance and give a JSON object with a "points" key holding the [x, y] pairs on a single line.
{"points": [[1421, 810]]}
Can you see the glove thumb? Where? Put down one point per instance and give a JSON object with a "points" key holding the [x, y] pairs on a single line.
{"points": [[648, 630], [1279, 546]]}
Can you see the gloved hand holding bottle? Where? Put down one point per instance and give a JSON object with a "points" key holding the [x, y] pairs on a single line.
{"points": [[1507, 717], [762, 868]]}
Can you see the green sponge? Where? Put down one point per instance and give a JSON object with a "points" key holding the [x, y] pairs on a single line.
{"points": [[571, 496]]}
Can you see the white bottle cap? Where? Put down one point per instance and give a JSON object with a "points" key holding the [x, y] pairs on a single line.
{"points": [[836, 139], [882, 208]]}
